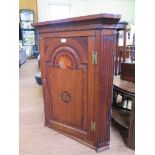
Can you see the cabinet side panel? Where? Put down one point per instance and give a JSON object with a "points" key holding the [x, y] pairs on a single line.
{"points": [[106, 81], [43, 75]]}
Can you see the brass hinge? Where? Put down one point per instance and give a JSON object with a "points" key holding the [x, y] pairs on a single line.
{"points": [[93, 126], [94, 58]]}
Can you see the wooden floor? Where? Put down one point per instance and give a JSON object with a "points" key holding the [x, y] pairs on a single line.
{"points": [[36, 139]]}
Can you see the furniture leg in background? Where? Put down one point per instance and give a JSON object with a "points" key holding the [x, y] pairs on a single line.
{"points": [[124, 116]]}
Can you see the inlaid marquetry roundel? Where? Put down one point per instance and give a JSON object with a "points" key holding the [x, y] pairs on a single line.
{"points": [[64, 61], [66, 96]]}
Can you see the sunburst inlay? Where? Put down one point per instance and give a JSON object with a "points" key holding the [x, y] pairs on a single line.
{"points": [[66, 96], [64, 61]]}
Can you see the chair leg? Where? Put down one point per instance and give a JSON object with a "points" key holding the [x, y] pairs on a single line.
{"points": [[131, 130], [115, 94]]}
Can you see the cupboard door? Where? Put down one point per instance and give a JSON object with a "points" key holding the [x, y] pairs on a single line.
{"points": [[70, 84]]}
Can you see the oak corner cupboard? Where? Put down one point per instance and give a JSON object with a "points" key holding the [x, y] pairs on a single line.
{"points": [[77, 71]]}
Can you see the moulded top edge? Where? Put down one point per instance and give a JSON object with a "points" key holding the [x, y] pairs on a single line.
{"points": [[93, 17]]}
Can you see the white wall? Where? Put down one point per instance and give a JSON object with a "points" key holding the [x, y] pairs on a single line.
{"points": [[43, 10], [85, 7]]}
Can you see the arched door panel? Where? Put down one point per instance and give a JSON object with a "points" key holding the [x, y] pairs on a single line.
{"points": [[67, 69]]}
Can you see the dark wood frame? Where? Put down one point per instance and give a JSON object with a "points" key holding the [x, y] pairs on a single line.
{"points": [[121, 26], [100, 33]]}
